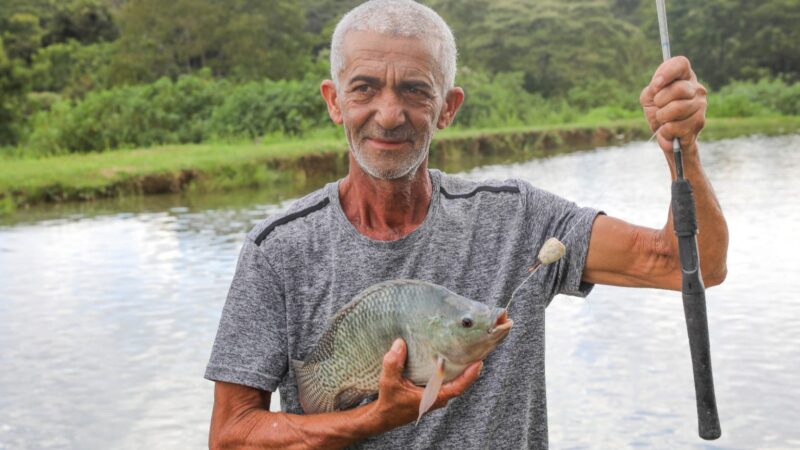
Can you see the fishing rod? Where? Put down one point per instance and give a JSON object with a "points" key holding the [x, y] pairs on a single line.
{"points": [[684, 217]]}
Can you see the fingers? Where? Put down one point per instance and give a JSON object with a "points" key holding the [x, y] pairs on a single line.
{"points": [[679, 90], [677, 68], [394, 360], [678, 110], [461, 383], [674, 103], [673, 80], [686, 130]]}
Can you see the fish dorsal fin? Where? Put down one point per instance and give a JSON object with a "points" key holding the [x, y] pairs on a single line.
{"points": [[314, 398], [432, 388]]}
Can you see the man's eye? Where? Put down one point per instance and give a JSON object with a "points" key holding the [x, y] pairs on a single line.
{"points": [[362, 88]]}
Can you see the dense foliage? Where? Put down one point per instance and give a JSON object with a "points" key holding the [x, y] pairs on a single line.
{"points": [[91, 75]]}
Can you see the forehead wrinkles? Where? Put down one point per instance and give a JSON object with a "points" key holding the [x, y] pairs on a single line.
{"points": [[379, 68], [374, 51]]}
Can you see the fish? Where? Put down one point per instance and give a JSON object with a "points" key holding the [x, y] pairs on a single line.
{"points": [[444, 333]]}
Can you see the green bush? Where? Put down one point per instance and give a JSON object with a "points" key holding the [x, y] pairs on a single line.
{"points": [[197, 108], [500, 100], [604, 92], [71, 68], [756, 98], [192, 109], [163, 112], [265, 107]]}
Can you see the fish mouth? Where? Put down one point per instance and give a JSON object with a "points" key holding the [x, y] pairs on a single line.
{"points": [[501, 323]]}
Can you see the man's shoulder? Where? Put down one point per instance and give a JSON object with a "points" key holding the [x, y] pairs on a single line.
{"points": [[297, 213], [458, 187]]}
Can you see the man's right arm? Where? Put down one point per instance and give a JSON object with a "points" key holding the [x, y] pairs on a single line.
{"points": [[241, 416]]}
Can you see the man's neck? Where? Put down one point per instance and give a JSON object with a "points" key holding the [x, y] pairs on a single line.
{"points": [[385, 210]]}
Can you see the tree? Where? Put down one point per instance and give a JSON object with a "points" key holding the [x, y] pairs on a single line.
{"points": [[242, 38], [12, 94], [775, 44], [85, 21], [728, 40], [555, 44], [71, 68], [22, 36]]}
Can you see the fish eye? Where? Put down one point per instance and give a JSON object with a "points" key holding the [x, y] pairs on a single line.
{"points": [[466, 322]]}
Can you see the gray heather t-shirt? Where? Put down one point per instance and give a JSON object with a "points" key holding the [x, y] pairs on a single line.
{"points": [[478, 239]]}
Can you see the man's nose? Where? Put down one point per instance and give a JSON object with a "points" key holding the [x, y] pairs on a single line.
{"points": [[389, 112]]}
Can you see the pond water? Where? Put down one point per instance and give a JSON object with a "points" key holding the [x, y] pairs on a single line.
{"points": [[108, 312]]}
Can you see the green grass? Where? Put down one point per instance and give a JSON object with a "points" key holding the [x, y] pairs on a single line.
{"points": [[100, 168], [222, 166]]}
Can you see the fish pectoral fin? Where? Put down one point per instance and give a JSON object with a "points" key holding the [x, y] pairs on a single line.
{"points": [[432, 388], [350, 396]]}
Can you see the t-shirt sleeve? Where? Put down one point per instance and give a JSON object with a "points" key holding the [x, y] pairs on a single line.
{"points": [[553, 216], [250, 347]]}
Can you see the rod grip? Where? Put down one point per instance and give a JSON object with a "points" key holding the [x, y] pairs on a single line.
{"points": [[694, 308]]}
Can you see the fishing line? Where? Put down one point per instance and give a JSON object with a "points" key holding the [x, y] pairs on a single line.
{"points": [[536, 267], [520, 285]]}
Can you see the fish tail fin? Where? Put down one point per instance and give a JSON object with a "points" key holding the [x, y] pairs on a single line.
{"points": [[314, 398]]}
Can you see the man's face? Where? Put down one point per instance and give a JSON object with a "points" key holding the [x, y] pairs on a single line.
{"points": [[390, 101]]}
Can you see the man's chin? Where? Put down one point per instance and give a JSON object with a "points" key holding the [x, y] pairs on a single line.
{"points": [[390, 174], [388, 164]]}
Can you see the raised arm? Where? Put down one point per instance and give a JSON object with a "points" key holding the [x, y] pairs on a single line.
{"points": [[628, 255], [241, 418]]}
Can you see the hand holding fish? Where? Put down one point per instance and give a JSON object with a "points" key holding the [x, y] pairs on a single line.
{"points": [[399, 399], [675, 104], [241, 417]]}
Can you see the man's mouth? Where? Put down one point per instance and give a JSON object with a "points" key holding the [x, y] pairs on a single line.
{"points": [[386, 143]]}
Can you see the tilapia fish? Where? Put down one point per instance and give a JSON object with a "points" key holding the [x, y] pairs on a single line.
{"points": [[444, 332]]}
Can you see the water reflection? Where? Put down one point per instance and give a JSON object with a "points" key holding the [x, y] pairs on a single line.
{"points": [[108, 316]]}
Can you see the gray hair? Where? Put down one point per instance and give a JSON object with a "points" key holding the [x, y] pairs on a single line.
{"points": [[405, 18]]}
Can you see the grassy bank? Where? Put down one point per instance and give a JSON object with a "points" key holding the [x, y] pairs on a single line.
{"points": [[218, 167]]}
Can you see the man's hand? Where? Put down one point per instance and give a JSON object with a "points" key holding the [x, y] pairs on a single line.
{"points": [[623, 254], [675, 104], [398, 398], [241, 418]]}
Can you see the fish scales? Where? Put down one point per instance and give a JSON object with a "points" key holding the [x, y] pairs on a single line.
{"points": [[345, 366]]}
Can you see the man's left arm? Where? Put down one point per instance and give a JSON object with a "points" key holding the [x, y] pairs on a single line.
{"points": [[623, 254]]}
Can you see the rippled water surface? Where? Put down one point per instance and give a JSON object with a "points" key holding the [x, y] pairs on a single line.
{"points": [[108, 312]]}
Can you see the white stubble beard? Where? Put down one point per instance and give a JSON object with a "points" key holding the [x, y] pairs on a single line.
{"points": [[407, 170]]}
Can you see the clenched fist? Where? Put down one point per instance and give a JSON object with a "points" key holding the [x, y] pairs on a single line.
{"points": [[675, 104]]}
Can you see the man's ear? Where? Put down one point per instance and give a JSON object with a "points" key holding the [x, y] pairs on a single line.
{"points": [[453, 101], [328, 91]]}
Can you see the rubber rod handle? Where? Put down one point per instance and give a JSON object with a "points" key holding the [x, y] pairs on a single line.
{"points": [[694, 308]]}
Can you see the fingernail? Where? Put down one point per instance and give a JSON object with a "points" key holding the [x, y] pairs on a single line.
{"points": [[480, 368], [396, 346], [657, 81]]}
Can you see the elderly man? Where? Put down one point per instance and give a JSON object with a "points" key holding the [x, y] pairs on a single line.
{"points": [[393, 69]]}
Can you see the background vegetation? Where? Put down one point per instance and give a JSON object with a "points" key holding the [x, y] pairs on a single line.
{"points": [[96, 75]]}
